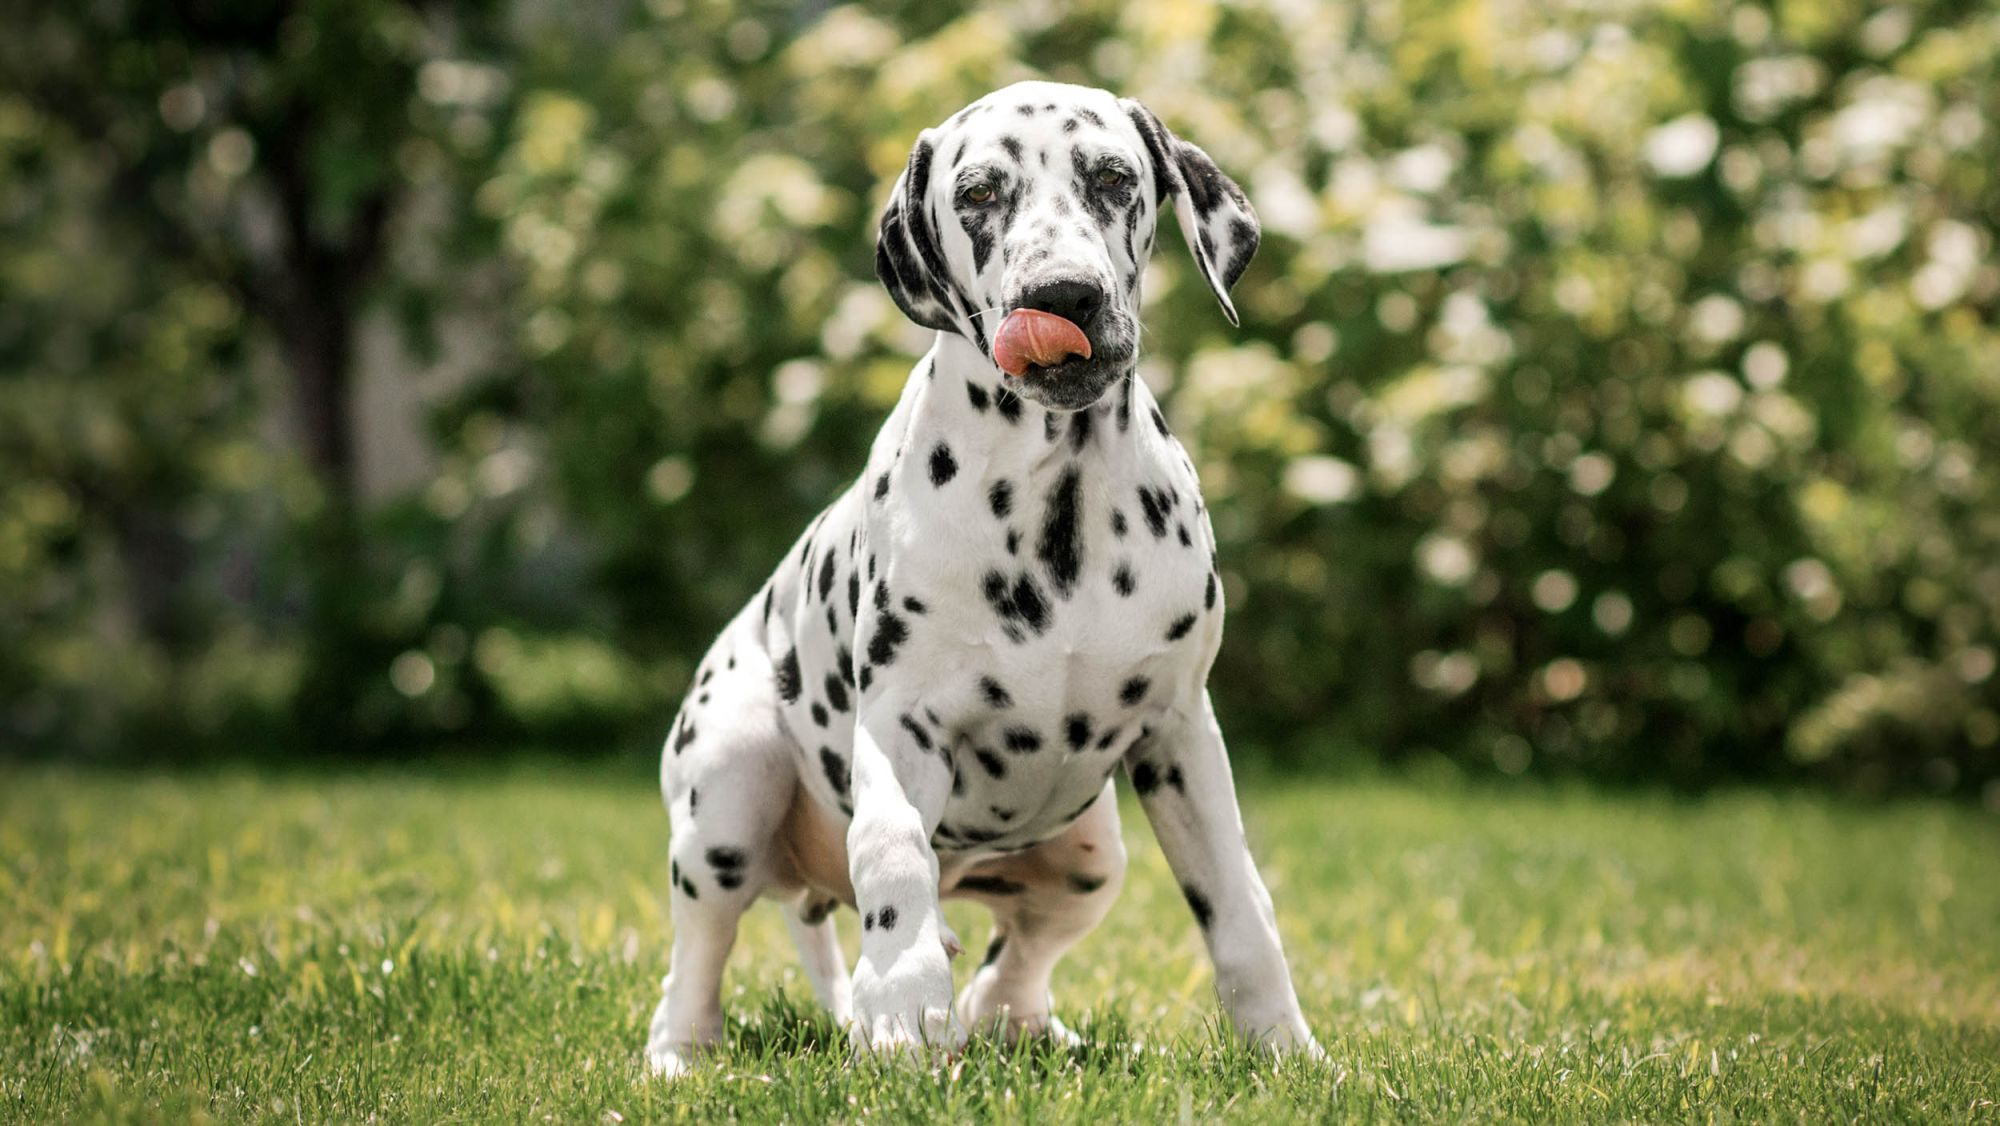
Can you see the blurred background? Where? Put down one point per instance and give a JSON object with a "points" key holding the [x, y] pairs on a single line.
{"points": [[1616, 395]]}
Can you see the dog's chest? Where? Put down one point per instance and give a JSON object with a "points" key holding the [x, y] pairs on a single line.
{"points": [[1062, 611]]}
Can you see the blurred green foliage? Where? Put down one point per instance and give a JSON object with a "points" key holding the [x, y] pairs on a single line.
{"points": [[1616, 393]]}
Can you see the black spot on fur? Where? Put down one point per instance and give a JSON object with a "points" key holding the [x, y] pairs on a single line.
{"points": [[836, 692], [1090, 116], [993, 949], [1022, 740], [1079, 430], [1118, 525], [868, 921], [1145, 778], [943, 466], [1013, 541], [977, 395], [1176, 781], [1061, 545], [1077, 730], [1208, 594], [722, 856], [1181, 530], [867, 677], [686, 736], [1180, 628], [1123, 581], [1109, 737], [995, 694], [1018, 605], [990, 762], [914, 605], [886, 918], [1153, 504], [991, 885], [1160, 424], [1009, 406], [816, 913], [918, 735], [1198, 903], [882, 486], [854, 594], [1013, 147], [835, 768], [846, 662], [788, 676], [1000, 498], [890, 632], [819, 713], [1134, 690], [826, 576]]}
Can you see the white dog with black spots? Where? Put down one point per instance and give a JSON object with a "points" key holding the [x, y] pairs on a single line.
{"points": [[929, 698]]}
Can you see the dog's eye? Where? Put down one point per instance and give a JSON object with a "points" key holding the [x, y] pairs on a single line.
{"points": [[1110, 177], [977, 194]]}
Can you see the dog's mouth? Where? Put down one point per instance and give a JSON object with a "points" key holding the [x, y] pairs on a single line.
{"points": [[1050, 360], [1069, 385]]}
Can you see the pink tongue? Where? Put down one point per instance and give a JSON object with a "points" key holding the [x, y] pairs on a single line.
{"points": [[1032, 337]]}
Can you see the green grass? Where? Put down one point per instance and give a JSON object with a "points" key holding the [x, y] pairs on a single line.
{"points": [[458, 945]]}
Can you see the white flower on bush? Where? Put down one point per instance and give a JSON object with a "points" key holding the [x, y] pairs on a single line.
{"points": [[1447, 560], [1683, 146]]}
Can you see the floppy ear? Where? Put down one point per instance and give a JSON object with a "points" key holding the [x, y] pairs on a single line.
{"points": [[908, 258], [1215, 217]]}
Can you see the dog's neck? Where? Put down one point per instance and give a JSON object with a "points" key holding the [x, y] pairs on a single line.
{"points": [[1010, 436]]}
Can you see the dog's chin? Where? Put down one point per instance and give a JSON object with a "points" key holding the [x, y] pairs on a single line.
{"points": [[1071, 385]]}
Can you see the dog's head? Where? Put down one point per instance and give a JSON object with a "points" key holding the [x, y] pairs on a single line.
{"points": [[1045, 197]]}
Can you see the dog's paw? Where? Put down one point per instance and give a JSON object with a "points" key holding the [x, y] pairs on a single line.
{"points": [[669, 1061], [904, 1008], [987, 1009], [1289, 1039]]}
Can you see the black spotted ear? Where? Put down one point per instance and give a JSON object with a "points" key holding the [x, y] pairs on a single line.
{"points": [[1215, 216], [908, 258]]}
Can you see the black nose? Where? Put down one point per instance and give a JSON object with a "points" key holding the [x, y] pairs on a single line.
{"points": [[1074, 301]]}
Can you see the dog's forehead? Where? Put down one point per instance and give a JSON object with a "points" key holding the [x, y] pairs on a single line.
{"points": [[1031, 122]]}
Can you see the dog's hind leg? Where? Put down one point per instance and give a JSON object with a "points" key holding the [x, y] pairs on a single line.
{"points": [[727, 775], [811, 923], [1043, 901]]}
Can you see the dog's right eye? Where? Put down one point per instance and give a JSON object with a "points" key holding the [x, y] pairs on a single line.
{"points": [[977, 194]]}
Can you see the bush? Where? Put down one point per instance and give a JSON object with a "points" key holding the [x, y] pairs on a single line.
{"points": [[1614, 396]]}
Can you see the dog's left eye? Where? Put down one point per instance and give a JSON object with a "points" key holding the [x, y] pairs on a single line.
{"points": [[977, 194], [1110, 177]]}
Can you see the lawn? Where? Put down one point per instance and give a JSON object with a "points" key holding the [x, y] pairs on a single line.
{"points": [[452, 944]]}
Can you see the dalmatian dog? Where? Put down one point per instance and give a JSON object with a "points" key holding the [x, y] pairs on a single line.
{"points": [[929, 698]]}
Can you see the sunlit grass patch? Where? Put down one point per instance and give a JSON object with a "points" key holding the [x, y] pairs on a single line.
{"points": [[415, 945]]}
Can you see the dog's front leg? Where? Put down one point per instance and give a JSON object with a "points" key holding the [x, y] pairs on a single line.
{"points": [[1183, 780], [902, 984]]}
